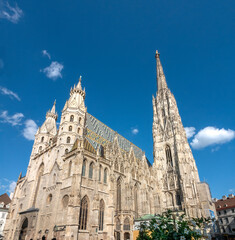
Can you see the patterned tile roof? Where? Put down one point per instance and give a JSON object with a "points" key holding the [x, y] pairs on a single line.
{"points": [[100, 134]]}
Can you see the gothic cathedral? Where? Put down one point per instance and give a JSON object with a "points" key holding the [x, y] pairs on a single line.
{"points": [[85, 181]]}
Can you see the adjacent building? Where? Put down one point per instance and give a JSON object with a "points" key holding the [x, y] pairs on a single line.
{"points": [[86, 181], [4, 208], [225, 209]]}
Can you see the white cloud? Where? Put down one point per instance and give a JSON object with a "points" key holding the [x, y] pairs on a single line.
{"points": [[7, 185], [212, 136], [232, 190], [45, 53], [8, 92], [190, 131], [135, 131], [54, 70], [13, 120], [13, 14], [30, 129]]}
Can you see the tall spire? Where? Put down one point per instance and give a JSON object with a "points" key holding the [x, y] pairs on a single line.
{"points": [[53, 108], [52, 113], [79, 85], [161, 79]]}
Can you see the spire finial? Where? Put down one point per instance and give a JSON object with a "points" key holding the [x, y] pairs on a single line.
{"points": [[161, 80], [79, 85], [53, 108]]}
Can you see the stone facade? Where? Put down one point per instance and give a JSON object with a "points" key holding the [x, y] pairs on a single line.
{"points": [[85, 181]]}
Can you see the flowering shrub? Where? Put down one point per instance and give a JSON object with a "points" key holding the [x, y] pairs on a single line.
{"points": [[169, 226]]}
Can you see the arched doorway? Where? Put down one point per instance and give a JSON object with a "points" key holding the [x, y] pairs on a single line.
{"points": [[24, 229], [126, 236]]}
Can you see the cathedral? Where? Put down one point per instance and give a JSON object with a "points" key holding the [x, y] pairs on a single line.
{"points": [[85, 181]]}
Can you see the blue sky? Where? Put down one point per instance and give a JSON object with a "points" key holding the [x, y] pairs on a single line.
{"points": [[46, 45]]}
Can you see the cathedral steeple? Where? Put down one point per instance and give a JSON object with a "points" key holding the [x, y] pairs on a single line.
{"points": [[52, 113], [161, 79]]}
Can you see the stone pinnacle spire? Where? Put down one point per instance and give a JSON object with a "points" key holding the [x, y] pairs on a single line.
{"points": [[79, 85], [53, 108], [161, 80], [52, 113]]}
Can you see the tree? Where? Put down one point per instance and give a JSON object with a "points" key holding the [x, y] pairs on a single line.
{"points": [[169, 226]]}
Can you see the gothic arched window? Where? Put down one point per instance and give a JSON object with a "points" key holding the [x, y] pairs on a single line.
{"points": [[126, 225], [71, 118], [116, 165], [101, 215], [168, 155], [70, 167], [91, 167], [68, 139], [136, 200], [70, 128], [80, 120], [78, 130], [40, 173], [42, 139], [83, 213], [118, 224], [84, 168], [105, 175], [100, 169], [119, 194], [122, 168]]}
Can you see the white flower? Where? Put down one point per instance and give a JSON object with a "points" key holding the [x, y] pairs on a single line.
{"points": [[186, 231], [182, 238]]}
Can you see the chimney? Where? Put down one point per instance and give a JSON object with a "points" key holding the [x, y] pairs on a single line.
{"points": [[224, 197], [231, 196]]}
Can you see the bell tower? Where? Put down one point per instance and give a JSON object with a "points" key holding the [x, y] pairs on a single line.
{"points": [[174, 164], [72, 122]]}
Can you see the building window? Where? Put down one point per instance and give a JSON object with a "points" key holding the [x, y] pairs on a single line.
{"points": [[136, 200], [78, 130], [118, 224], [126, 225], [178, 200], [221, 220], [68, 139], [168, 155], [70, 167], [229, 229], [70, 128], [54, 178], [219, 212], [80, 120], [91, 170], [100, 169], [226, 220], [65, 201], [42, 139], [84, 168], [119, 194], [49, 198], [122, 168], [233, 210], [66, 151], [71, 118], [225, 211], [116, 165], [40, 173], [83, 214], [101, 215], [105, 175]]}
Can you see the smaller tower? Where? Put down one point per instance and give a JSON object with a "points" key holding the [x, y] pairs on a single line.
{"points": [[72, 119], [46, 133]]}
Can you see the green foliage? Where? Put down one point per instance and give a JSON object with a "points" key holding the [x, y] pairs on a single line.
{"points": [[169, 226]]}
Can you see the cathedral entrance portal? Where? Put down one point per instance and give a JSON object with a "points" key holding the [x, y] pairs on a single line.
{"points": [[24, 229]]}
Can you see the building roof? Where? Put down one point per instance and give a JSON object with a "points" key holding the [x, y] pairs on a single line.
{"points": [[227, 203], [5, 199], [100, 134]]}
